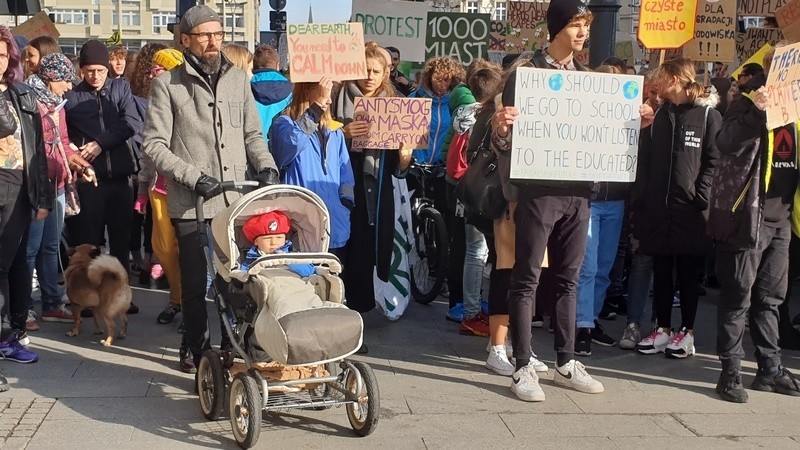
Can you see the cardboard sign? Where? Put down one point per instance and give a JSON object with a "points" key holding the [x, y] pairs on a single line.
{"points": [[396, 24], [576, 125], [461, 36], [758, 57], [527, 26], [393, 121], [714, 33], [788, 17], [497, 35], [38, 25], [759, 7], [666, 23], [749, 42], [782, 87], [332, 49]]}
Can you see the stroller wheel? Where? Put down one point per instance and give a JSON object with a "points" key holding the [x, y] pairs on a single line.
{"points": [[363, 414], [245, 410], [211, 385]]}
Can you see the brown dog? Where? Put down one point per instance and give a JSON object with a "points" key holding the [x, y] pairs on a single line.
{"points": [[99, 282]]}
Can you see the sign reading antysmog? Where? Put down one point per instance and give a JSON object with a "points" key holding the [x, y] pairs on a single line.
{"points": [[576, 126], [394, 23], [393, 121], [326, 49]]}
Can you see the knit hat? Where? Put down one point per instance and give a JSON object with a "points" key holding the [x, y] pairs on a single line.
{"points": [[270, 223], [560, 14], [56, 67], [168, 58], [93, 52], [198, 15]]}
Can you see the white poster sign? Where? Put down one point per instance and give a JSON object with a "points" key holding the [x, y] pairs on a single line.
{"points": [[576, 126], [393, 23]]}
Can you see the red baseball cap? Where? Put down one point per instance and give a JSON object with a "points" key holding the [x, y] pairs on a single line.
{"points": [[274, 222]]}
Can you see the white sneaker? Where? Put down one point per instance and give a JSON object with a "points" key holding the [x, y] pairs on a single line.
{"points": [[630, 337], [525, 384], [498, 363], [655, 343], [539, 366], [681, 345], [573, 375]]}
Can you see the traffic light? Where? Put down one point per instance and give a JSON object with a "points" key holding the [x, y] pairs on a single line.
{"points": [[277, 20]]}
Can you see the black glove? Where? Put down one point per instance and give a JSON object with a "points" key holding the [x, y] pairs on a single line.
{"points": [[347, 203], [267, 177], [208, 187]]}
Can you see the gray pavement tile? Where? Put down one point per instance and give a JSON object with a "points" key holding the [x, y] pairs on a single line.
{"points": [[741, 424], [79, 387], [636, 443], [584, 425], [73, 433], [640, 402], [116, 409]]}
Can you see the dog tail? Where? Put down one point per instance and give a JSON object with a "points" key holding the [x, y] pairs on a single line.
{"points": [[104, 266]]}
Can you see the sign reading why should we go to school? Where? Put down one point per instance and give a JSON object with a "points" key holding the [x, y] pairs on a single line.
{"points": [[395, 24], [783, 87], [326, 49], [393, 121], [576, 126]]}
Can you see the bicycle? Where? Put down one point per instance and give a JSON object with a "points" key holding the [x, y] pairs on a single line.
{"points": [[429, 270]]}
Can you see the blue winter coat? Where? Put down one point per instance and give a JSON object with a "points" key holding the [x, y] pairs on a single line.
{"points": [[273, 93], [440, 123], [297, 149]]}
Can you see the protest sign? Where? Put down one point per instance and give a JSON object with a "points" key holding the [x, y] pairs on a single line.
{"points": [[38, 25], [461, 36], [788, 17], [575, 126], [759, 7], [749, 42], [497, 35], [783, 87], [527, 26], [666, 23], [714, 33], [326, 49], [393, 23], [758, 57], [393, 121]]}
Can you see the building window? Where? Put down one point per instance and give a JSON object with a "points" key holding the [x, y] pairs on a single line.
{"points": [[473, 6], [96, 17], [160, 21], [129, 19], [71, 16], [234, 20], [500, 12]]}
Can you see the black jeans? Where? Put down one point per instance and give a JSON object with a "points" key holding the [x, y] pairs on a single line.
{"points": [[110, 204], [15, 278], [755, 279], [688, 284], [192, 262], [559, 223]]}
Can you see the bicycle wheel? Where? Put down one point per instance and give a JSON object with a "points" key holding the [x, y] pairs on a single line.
{"points": [[430, 269]]}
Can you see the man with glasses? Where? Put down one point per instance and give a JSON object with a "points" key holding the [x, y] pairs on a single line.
{"points": [[101, 118], [202, 127]]}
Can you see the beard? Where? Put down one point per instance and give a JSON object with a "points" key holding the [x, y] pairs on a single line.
{"points": [[210, 64]]}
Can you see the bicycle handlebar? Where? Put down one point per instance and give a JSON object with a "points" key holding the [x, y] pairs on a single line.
{"points": [[226, 186]]}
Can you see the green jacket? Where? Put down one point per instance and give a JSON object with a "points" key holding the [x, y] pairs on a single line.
{"points": [[460, 96]]}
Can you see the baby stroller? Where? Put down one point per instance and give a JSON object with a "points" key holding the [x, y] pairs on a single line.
{"points": [[293, 334]]}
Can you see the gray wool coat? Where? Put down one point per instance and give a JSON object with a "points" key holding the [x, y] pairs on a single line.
{"points": [[191, 129]]}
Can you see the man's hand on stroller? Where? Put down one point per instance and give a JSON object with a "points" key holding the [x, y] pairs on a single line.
{"points": [[207, 187], [267, 177]]}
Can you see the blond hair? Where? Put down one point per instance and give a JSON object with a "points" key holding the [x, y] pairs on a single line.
{"points": [[684, 70], [239, 55]]}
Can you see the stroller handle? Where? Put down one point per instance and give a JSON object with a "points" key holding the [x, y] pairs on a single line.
{"points": [[226, 186]]}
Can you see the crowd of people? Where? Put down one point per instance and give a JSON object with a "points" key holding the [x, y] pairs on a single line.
{"points": [[114, 146]]}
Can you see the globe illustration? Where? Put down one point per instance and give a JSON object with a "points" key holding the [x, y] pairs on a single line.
{"points": [[630, 90], [556, 82]]}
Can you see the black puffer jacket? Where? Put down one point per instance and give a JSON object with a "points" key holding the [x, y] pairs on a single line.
{"points": [[677, 156], [41, 193], [8, 124]]}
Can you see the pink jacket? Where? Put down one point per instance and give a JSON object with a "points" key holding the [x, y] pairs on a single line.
{"points": [[56, 166]]}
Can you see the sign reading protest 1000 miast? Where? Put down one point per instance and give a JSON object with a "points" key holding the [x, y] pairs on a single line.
{"points": [[666, 23]]}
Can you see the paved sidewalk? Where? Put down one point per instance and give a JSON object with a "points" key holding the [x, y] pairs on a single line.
{"points": [[435, 393]]}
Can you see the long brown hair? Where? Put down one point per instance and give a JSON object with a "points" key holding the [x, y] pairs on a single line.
{"points": [[684, 70], [140, 77], [301, 100]]}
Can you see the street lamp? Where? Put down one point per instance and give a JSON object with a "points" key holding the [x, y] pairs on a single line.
{"points": [[604, 30]]}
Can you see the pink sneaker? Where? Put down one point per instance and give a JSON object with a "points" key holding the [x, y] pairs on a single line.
{"points": [[156, 271]]}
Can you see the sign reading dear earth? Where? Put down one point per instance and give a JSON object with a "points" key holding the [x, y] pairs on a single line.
{"points": [[393, 121], [326, 49], [576, 126]]}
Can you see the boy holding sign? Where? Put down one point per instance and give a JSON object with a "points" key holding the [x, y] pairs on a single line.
{"points": [[548, 211]]}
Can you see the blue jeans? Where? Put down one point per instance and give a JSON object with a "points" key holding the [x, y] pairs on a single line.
{"points": [[640, 279], [475, 259], [605, 226], [44, 237]]}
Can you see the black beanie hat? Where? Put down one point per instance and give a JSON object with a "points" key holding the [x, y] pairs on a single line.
{"points": [[560, 14], [93, 52]]}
